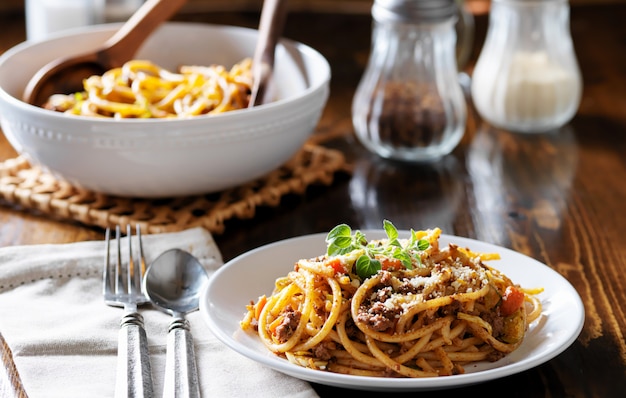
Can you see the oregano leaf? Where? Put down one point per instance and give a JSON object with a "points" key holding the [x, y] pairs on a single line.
{"points": [[366, 266]]}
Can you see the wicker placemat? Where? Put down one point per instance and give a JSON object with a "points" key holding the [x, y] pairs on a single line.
{"points": [[33, 189]]}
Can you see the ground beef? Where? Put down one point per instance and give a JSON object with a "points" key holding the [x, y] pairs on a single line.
{"points": [[496, 320], [323, 350], [383, 294], [373, 311], [385, 278], [495, 356], [351, 330], [285, 330], [407, 288], [379, 317], [451, 309]]}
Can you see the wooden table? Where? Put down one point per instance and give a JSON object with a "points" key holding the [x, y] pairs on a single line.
{"points": [[559, 198]]}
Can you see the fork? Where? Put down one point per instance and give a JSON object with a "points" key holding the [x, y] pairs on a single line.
{"points": [[122, 287]]}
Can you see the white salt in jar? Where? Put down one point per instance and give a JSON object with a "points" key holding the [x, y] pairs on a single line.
{"points": [[527, 77]]}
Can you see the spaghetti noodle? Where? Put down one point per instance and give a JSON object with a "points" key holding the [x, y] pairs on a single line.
{"points": [[142, 89], [393, 307]]}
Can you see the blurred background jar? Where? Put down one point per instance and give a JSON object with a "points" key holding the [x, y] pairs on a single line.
{"points": [[120, 10], [409, 105], [527, 77], [48, 16], [44, 17]]}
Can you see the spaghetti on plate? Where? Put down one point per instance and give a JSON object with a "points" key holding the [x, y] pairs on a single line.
{"points": [[393, 307], [142, 89]]}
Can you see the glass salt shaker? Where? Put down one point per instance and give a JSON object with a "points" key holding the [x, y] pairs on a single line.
{"points": [[527, 78], [409, 105]]}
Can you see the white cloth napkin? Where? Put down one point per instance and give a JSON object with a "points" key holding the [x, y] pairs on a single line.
{"points": [[64, 337]]}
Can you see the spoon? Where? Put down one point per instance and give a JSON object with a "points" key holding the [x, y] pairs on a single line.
{"points": [[174, 282], [271, 26], [65, 75]]}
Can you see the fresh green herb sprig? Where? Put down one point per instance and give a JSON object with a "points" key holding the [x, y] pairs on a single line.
{"points": [[341, 240]]}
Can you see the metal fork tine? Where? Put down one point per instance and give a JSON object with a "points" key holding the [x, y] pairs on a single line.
{"points": [[141, 263], [106, 274], [119, 279], [131, 265]]}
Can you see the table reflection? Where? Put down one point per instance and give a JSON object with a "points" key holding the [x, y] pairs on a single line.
{"points": [[435, 189], [537, 193]]}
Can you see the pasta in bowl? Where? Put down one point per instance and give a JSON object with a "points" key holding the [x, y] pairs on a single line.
{"points": [[393, 308], [142, 89]]}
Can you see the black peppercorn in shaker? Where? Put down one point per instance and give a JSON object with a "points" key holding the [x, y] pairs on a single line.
{"points": [[409, 104]]}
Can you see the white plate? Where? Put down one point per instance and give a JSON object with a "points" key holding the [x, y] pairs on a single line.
{"points": [[252, 274]]}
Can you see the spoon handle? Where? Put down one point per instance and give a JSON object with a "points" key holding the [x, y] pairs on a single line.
{"points": [[122, 46], [181, 374], [271, 27]]}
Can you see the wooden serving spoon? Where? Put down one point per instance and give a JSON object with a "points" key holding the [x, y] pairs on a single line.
{"points": [[271, 26], [65, 75]]}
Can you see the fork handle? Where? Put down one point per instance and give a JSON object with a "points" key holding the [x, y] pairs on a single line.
{"points": [[181, 374], [134, 377]]}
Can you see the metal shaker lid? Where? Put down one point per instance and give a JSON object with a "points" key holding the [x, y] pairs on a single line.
{"points": [[413, 10]]}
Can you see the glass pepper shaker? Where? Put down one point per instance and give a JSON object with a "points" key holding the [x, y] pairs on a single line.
{"points": [[527, 78], [409, 105]]}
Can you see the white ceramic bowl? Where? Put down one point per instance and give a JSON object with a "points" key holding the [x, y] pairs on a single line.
{"points": [[163, 158]]}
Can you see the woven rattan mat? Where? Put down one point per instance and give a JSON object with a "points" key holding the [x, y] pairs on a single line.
{"points": [[31, 188]]}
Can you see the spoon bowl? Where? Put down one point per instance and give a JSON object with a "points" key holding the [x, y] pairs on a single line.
{"points": [[65, 75], [174, 283]]}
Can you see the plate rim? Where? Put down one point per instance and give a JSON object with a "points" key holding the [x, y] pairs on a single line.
{"points": [[398, 384]]}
